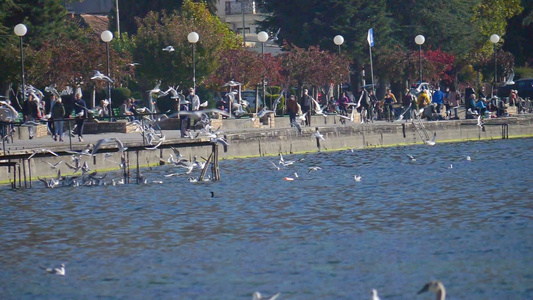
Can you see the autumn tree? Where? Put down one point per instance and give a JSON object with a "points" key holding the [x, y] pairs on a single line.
{"points": [[157, 31], [313, 67]]}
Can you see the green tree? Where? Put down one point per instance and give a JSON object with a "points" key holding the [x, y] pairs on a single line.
{"points": [[157, 31], [318, 22], [44, 19], [518, 38], [445, 24], [133, 10]]}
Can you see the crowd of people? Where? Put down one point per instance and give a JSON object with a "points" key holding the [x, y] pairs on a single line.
{"points": [[415, 102]]}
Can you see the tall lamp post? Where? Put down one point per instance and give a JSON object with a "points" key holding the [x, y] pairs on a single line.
{"points": [[193, 38], [107, 36], [419, 40], [338, 40], [495, 39], [21, 30], [262, 37]]}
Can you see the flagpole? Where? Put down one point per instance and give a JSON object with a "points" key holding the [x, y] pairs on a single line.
{"points": [[371, 69]]}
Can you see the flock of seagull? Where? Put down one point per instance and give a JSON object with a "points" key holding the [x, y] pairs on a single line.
{"points": [[433, 286]]}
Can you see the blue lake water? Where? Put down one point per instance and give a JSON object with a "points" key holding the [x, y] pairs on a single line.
{"points": [[321, 236]]}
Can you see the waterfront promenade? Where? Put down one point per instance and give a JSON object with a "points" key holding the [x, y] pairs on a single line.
{"points": [[274, 138]]}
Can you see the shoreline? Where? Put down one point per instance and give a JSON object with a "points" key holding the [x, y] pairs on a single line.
{"points": [[256, 142]]}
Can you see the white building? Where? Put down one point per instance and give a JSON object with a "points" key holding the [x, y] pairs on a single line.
{"points": [[242, 17]]}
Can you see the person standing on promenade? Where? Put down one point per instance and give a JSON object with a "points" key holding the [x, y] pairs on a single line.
{"points": [[292, 109], [185, 122], [343, 103], [438, 97], [57, 114], [366, 107], [194, 100], [407, 101], [469, 91], [388, 101], [30, 111], [306, 107], [50, 122], [373, 108], [79, 109], [423, 99]]}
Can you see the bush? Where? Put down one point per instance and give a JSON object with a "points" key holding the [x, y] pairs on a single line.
{"points": [[118, 96], [523, 72]]}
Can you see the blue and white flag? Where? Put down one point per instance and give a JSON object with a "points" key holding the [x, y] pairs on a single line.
{"points": [[370, 37]]}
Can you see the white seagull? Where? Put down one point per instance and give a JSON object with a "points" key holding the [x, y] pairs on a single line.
{"points": [[318, 135], [432, 141], [311, 169], [374, 295], [436, 287], [54, 166], [412, 158], [169, 49], [58, 271], [258, 296], [357, 178], [99, 76], [156, 89]]}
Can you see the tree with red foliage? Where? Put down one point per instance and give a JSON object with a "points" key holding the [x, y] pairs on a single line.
{"points": [[313, 67], [246, 67]]}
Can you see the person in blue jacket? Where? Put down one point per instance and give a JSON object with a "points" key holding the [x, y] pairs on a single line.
{"points": [[438, 97]]}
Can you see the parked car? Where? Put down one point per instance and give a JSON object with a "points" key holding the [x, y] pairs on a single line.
{"points": [[249, 96], [523, 86]]}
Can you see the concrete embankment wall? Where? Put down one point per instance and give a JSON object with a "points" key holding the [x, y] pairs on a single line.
{"points": [[271, 141]]}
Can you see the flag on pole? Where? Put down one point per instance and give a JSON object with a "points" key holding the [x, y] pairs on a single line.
{"points": [[370, 37]]}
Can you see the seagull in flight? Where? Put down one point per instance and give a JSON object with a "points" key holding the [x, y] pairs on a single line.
{"points": [[412, 158], [99, 76], [42, 151], [275, 37], [319, 137], [357, 178], [54, 166], [311, 169], [100, 142], [285, 162], [298, 126], [156, 89], [58, 271], [275, 166], [480, 123], [133, 64], [432, 141], [169, 49]]}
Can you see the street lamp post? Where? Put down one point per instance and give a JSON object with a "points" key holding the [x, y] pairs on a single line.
{"points": [[419, 40], [262, 37], [338, 40], [107, 36], [193, 38], [495, 39], [21, 30]]}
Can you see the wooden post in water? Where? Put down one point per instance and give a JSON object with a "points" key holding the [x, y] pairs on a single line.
{"points": [[29, 170], [138, 169], [20, 179], [24, 171]]}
